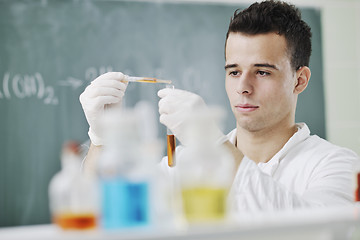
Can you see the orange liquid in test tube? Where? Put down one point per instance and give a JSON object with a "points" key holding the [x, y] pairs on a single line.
{"points": [[171, 145]]}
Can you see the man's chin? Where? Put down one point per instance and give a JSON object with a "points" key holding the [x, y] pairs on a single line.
{"points": [[250, 126]]}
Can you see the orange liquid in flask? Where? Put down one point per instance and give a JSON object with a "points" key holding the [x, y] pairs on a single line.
{"points": [[75, 221]]}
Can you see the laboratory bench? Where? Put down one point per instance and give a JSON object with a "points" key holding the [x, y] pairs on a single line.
{"points": [[321, 224]]}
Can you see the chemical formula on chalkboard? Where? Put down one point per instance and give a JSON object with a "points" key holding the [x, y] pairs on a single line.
{"points": [[25, 86], [22, 86]]}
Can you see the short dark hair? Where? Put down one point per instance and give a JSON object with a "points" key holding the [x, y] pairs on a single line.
{"points": [[278, 17]]}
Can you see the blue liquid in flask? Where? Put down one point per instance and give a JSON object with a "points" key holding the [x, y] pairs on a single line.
{"points": [[124, 204]]}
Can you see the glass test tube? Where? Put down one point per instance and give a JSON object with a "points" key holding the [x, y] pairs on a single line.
{"points": [[171, 145], [357, 191], [171, 142]]}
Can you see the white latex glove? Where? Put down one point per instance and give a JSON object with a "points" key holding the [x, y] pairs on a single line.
{"points": [[107, 89], [174, 108]]}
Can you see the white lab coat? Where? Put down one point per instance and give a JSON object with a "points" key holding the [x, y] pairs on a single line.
{"points": [[307, 172]]}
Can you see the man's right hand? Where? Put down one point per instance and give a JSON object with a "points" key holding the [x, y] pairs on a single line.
{"points": [[107, 89]]}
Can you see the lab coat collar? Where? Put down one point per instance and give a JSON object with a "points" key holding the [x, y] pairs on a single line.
{"points": [[271, 166]]}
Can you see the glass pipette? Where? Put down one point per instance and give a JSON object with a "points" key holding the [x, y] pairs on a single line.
{"points": [[146, 80]]}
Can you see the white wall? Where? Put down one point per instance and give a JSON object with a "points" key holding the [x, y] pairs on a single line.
{"points": [[341, 59], [341, 48]]}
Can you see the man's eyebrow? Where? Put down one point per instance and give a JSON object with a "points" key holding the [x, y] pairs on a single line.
{"points": [[234, 65], [231, 65], [266, 65]]}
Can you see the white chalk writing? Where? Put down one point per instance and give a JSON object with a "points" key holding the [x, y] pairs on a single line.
{"points": [[91, 73], [25, 86]]}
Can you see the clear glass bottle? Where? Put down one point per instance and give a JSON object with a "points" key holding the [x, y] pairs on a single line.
{"points": [[204, 167], [124, 173], [134, 191], [73, 195], [164, 211]]}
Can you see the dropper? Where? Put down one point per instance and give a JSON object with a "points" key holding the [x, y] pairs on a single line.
{"points": [[146, 80]]}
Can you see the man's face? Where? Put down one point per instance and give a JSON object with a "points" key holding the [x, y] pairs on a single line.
{"points": [[260, 82]]}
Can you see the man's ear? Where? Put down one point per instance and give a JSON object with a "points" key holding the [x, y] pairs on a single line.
{"points": [[302, 79]]}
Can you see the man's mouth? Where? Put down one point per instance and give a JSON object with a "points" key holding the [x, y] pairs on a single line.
{"points": [[246, 107]]}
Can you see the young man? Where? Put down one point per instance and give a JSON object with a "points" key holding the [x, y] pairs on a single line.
{"points": [[279, 165]]}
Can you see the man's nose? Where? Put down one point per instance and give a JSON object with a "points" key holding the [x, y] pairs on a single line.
{"points": [[245, 84]]}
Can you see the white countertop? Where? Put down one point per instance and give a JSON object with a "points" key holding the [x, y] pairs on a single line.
{"points": [[320, 224]]}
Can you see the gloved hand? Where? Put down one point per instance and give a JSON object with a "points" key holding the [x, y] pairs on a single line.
{"points": [[106, 90], [174, 108]]}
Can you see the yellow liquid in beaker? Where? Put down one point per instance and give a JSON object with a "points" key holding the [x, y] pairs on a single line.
{"points": [[201, 204]]}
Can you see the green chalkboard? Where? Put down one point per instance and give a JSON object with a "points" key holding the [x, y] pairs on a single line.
{"points": [[50, 50]]}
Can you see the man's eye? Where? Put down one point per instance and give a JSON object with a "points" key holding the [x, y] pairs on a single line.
{"points": [[262, 73], [234, 73]]}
